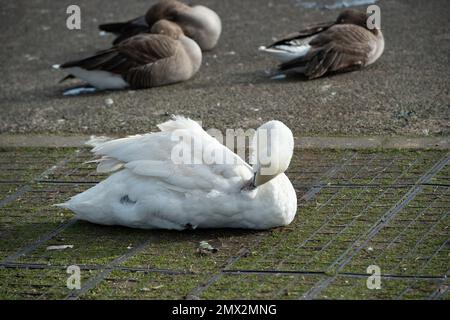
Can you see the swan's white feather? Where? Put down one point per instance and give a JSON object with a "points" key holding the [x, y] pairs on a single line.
{"points": [[151, 191], [159, 145]]}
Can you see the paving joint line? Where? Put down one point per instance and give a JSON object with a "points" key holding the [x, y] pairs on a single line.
{"points": [[42, 239], [335, 214], [96, 279], [195, 293], [442, 290], [24, 189], [342, 261], [345, 274], [432, 256], [397, 238], [330, 173], [42, 266]]}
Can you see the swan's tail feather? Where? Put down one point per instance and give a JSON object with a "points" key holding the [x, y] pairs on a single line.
{"points": [[106, 165], [178, 122], [95, 141], [64, 205]]}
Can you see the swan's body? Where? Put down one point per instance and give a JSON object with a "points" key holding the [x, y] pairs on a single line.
{"points": [[150, 190]]}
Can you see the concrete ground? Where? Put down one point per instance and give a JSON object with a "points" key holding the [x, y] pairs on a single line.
{"points": [[371, 163], [406, 92]]}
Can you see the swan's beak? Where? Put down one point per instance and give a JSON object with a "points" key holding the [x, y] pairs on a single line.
{"points": [[250, 184]]}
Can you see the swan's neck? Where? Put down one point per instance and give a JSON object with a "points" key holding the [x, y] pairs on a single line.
{"points": [[257, 180], [260, 179]]}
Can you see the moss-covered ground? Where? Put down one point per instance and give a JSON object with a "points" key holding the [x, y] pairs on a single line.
{"points": [[355, 209]]}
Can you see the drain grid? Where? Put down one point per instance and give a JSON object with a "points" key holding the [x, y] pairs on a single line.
{"points": [[355, 209]]}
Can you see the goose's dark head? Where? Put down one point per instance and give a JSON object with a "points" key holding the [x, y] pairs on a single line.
{"points": [[164, 9], [168, 28], [356, 18]]}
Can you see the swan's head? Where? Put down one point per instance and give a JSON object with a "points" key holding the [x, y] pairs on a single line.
{"points": [[273, 146]]}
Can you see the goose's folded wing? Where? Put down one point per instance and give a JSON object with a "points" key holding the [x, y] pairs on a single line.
{"points": [[144, 50], [106, 60], [129, 55], [131, 32], [338, 48], [302, 34], [125, 30], [148, 48]]}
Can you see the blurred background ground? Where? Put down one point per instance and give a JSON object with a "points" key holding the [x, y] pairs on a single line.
{"points": [[405, 93]]}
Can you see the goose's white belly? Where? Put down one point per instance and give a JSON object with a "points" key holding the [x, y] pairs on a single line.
{"points": [[100, 79]]}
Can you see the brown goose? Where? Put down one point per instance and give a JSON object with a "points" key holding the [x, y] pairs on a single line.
{"points": [[344, 45], [198, 22], [142, 61]]}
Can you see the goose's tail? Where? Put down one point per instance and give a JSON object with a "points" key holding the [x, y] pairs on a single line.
{"points": [[114, 27], [285, 53]]}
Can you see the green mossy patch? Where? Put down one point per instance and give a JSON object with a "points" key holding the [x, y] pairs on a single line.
{"points": [[37, 283], [143, 285], [327, 227], [258, 286]]}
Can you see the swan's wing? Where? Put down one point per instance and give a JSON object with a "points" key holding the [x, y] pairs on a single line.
{"points": [[161, 155], [189, 179]]}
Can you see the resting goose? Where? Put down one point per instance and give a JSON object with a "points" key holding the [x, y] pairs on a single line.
{"points": [[344, 45], [152, 188], [142, 61], [198, 22]]}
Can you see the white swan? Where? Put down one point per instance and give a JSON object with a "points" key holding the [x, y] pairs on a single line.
{"points": [[151, 190]]}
